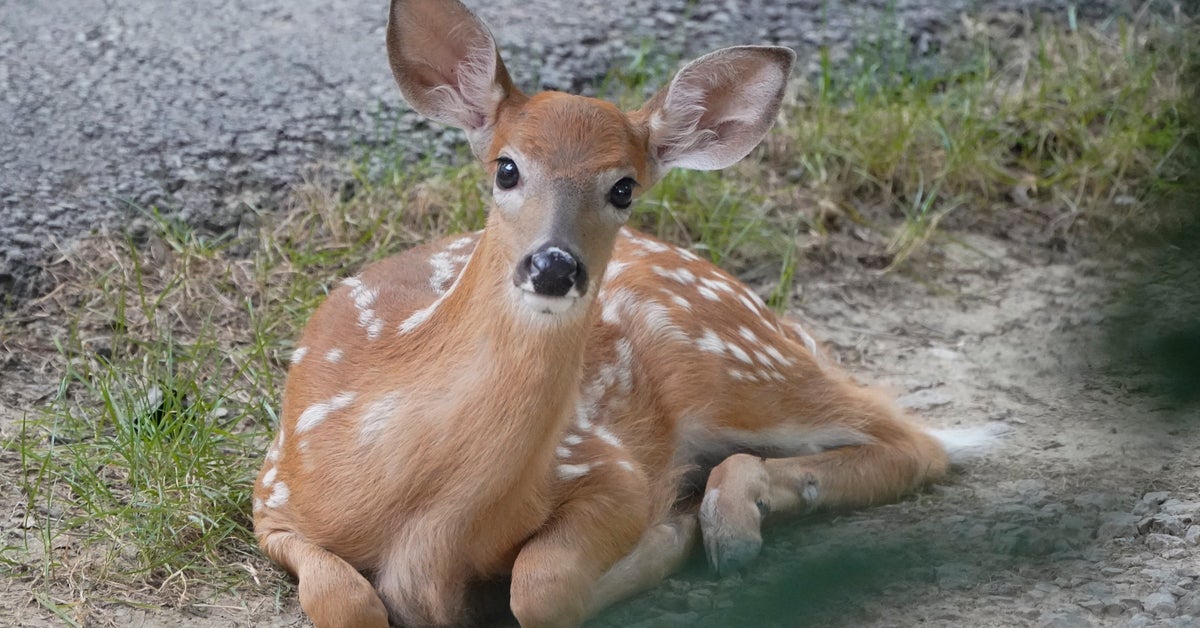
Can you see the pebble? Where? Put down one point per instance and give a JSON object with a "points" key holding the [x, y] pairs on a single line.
{"points": [[1159, 603], [1159, 542]]}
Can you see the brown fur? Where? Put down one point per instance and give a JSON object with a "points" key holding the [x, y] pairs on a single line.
{"points": [[435, 437]]}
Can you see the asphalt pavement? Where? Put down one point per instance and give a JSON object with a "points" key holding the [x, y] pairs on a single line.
{"points": [[208, 111]]}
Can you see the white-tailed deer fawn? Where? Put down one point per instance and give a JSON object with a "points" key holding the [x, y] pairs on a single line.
{"points": [[537, 402]]}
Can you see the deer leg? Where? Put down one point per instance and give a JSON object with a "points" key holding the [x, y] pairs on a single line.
{"points": [[332, 592], [659, 553], [557, 570], [745, 489]]}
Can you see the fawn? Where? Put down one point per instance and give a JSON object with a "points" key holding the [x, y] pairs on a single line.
{"points": [[536, 403]]}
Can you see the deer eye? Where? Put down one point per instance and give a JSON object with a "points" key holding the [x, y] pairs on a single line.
{"points": [[621, 194], [507, 174]]}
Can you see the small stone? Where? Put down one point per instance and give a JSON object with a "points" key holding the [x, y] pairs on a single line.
{"points": [[1156, 497], [1161, 522], [1192, 536], [1187, 511], [1189, 604], [1159, 542], [1131, 604], [1159, 603]]}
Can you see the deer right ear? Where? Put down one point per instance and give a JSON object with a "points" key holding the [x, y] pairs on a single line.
{"points": [[717, 108], [447, 66]]}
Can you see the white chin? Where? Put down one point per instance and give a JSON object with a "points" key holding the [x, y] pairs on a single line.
{"points": [[547, 305]]}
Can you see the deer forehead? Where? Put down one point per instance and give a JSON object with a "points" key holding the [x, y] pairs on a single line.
{"points": [[572, 137]]}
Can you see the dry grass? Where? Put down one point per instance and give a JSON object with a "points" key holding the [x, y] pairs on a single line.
{"points": [[171, 351]]}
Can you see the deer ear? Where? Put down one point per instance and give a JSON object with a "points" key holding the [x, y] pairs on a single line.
{"points": [[717, 108], [447, 66]]}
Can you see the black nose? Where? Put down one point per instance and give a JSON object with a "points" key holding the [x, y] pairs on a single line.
{"points": [[552, 271]]}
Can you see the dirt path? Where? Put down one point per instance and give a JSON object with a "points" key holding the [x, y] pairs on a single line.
{"points": [[1087, 514]]}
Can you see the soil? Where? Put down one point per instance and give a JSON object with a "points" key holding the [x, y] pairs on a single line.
{"points": [[1086, 513]]}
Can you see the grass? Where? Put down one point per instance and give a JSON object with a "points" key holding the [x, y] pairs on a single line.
{"points": [[171, 351]]}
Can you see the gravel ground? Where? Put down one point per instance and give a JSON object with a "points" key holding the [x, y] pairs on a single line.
{"points": [[209, 110]]}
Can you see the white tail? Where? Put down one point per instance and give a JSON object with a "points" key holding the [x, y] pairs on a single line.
{"points": [[534, 401], [965, 444]]}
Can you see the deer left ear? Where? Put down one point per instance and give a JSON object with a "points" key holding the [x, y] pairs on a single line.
{"points": [[717, 108], [447, 66]]}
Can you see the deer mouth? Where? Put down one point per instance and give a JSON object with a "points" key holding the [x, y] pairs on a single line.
{"points": [[551, 279], [542, 304]]}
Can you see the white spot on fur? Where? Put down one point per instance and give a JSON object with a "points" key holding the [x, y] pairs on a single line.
{"points": [[615, 305], [810, 494], [572, 439], [279, 496], [562, 452], [711, 342], [717, 285], [646, 244], [572, 471], [258, 504], [614, 269], [606, 435], [739, 353], [745, 332], [680, 275], [418, 317], [318, 412], [583, 415], [686, 254], [779, 357], [626, 465], [678, 299], [298, 354], [763, 358], [333, 355], [269, 477], [748, 302], [376, 416], [443, 270], [461, 243], [657, 318], [707, 293], [364, 302]]}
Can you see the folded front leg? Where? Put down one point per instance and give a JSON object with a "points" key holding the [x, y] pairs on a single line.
{"points": [[556, 572], [659, 553]]}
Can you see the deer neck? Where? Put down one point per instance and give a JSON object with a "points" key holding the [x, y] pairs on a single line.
{"points": [[517, 372]]}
